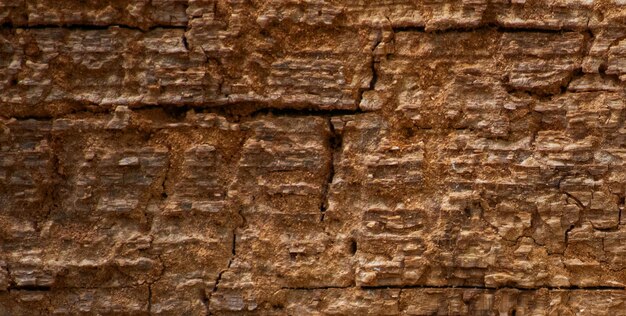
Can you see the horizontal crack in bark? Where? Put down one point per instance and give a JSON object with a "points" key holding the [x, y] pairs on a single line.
{"points": [[468, 287], [487, 27], [74, 27]]}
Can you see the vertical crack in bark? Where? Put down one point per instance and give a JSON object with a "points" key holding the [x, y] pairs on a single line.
{"points": [[157, 279], [239, 215], [580, 215], [373, 64], [230, 262], [52, 193], [334, 144], [162, 196], [185, 43], [149, 299], [620, 208], [233, 251], [219, 275]]}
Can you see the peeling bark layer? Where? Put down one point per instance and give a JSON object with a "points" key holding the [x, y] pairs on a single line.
{"points": [[194, 157]]}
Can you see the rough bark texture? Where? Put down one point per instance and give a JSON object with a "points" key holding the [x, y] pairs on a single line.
{"points": [[192, 157]]}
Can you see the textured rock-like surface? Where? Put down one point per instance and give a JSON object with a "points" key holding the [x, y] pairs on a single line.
{"points": [[193, 157]]}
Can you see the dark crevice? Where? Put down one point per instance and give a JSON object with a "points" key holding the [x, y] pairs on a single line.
{"points": [[334, 144], [606, 229], [374, 71], [373, 66], [233, 112], [41, 288], [53, 190], [186, 44], [567, 231], [353, 247], [577, 73], [417, 29], [576, 200], [41, 117], [87, 27], [30, 288], [150, 299], [233, 252], [487, 27], [152, 282], [91, 109], [304, 112], [219, 277], [216, 285], [374, 80], [495, 288], [305, 288], [175, 112], [589, 39], [602, 70], [580, 215], [620, 207], [206, 301], [233, 249], [488, 288], [164, 194], [414, 28]]}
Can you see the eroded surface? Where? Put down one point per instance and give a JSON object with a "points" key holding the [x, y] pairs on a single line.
{"points": [[317, 157]]}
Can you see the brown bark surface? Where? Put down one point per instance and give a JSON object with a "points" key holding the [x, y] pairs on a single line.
{"points": [[283, 157]]}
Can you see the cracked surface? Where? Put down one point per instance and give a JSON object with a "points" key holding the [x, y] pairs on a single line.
{"points": [[195, 157]]}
